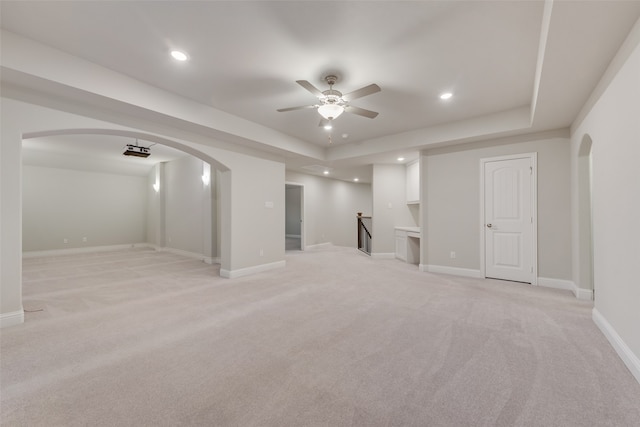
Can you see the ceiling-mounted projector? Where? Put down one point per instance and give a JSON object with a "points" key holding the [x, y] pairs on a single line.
{"points": [[136, 150]]}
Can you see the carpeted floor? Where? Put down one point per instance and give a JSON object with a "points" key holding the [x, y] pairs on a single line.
{"points": [[143, 338]]}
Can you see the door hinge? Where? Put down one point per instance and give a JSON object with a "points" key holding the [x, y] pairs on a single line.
{"points": [[530, 170], [531, 220]]}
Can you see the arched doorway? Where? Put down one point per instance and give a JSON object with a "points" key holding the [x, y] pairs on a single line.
{"points": [[88, 144], [585, 212]]}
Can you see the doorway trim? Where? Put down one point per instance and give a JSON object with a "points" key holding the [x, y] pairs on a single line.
{"points": [[534, 208], [303, 225]]}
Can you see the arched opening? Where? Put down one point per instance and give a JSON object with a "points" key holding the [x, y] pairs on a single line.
{"points": [[149, 199], [585, 227]]}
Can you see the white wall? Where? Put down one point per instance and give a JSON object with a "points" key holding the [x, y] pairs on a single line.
{"points": [[245, 183], [390, 207], [187, 200], [11, 312], [330, 208], [59, 204], [451, 210], [613, 124]]}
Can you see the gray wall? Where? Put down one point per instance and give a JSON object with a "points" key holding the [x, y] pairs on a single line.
{"points": [[184, 194], [451, 210], [330, 208], [613, 126], [61, 204], [390, 207], [183, 215]]}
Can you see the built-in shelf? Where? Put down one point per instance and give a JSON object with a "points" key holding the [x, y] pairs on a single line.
{"points": [[413, 183]]}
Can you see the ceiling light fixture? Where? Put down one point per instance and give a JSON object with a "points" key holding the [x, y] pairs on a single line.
{"points": [[330, 111], [400, 159], [355, 180], [446, 95], [326, 172], [179, 56], [328, 126]]}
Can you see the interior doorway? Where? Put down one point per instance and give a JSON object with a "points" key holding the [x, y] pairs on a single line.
{"points": [[294, 217], [585, 228], [508, 228]]}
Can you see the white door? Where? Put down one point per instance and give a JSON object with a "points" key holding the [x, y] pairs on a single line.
{"points": [[509, 216]]}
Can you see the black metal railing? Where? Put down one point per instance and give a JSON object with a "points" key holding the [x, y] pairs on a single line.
{"points": [[364, 234]]}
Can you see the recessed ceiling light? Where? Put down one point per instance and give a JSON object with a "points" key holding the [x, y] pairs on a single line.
{"points": [[326, 172], [356, 179], [328, 127], [400, 159], [446, 95], [179, 56]]}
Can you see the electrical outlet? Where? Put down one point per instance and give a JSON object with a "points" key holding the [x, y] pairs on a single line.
{"points": [[261, 252], [65, 241], [452, 255]]}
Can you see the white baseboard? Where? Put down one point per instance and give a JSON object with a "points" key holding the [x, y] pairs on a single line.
{"points": [[584, 294], [232, 274], [319, 245], [630, 360], [84, 250], [568, 285], [11, 319], [194, 255], [454, 271], [383, 255]]}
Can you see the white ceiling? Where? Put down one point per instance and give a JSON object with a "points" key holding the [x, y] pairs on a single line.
{"points": [[245, 57], [97, 153]]}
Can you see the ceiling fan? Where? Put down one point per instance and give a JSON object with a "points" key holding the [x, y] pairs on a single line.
{"points": [[333, 102]]}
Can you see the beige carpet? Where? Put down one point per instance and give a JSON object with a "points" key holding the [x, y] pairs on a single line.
{"points": [[140, 338]]}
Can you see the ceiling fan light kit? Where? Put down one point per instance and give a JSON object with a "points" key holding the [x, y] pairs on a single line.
{"points": [[330, 111], [333, 103]]}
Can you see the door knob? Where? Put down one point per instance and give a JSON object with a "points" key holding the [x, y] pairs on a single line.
{"points": [[489, 225]]}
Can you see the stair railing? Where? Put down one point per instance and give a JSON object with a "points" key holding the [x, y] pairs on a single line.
{"points": [[364, 233]]}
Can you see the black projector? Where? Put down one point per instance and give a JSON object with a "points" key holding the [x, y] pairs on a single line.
{"points": [[135, 150]]}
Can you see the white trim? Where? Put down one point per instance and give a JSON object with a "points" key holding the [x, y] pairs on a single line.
{"points": [[294, 236], [534, 207], [11, 319], [232, 274], [584, 294], [383, 255], [454, 271], [630, 360], [318, 245], [85, 250], [187, 254], [567, 285]]}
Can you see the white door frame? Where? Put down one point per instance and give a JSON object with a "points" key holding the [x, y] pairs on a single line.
{"points": [[303, 225], [534, 207]]}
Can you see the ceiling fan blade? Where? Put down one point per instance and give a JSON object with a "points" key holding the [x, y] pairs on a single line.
{"points": [[360, 111], [367, 90], [303, 107], [311, 88]]}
